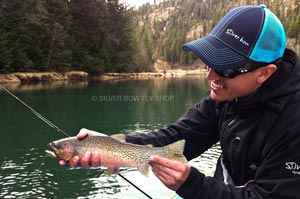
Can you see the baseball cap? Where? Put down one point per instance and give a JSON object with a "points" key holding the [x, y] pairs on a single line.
{"points": [[245, 34]]}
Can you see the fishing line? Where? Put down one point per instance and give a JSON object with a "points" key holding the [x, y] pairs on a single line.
{"points": [[134, 186], [61, 131], [35, 112]]}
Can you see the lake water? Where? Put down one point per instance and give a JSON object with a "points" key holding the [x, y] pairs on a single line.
{"points": [[130, 106]]}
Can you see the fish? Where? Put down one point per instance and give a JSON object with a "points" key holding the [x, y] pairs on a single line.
{"points": [[114, 153]]}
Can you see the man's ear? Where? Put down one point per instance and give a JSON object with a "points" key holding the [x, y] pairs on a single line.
{"points": [[265, 72]]}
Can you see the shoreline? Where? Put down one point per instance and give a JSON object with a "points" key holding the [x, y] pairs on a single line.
{"points": [[72, 76]]}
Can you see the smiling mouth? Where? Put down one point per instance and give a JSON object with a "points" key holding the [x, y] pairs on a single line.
{"points": [[215, 85]]}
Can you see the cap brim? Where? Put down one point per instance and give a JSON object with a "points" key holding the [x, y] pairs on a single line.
{"points": [[215, 54]]}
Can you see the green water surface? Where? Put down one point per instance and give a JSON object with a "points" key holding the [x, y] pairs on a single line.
{"points": [[128, 106]]}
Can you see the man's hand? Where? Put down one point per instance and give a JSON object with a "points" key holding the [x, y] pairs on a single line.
{"points": [[171, 173], [88, 159]]}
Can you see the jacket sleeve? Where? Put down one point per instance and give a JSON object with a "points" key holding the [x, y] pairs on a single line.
{"points": [[197, 126], [198, 186], [277, 176]]}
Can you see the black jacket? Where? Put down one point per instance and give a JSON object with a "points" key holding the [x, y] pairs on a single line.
{"points": [[236, 125]]}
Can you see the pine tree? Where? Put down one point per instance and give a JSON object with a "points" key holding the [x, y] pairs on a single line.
{"points": [[57, 43]]}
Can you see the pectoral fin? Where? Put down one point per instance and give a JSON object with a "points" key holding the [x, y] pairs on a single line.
{"points": [[144, 169]]}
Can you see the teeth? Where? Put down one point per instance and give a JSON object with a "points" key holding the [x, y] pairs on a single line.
{"points": [[217, 85]]}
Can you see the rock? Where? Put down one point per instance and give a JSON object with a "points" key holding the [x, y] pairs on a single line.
{"points": [[9, 79]]}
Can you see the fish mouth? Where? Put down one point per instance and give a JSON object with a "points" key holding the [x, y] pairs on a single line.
{"points": [[53, 150]]}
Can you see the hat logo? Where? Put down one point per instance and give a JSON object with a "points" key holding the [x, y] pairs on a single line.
{"points": [[231, 33]]}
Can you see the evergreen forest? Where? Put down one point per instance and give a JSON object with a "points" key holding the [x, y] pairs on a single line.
{"points": [[100, 36]]}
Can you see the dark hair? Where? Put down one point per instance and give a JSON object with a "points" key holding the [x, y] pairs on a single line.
{"points": [[261, 64]]}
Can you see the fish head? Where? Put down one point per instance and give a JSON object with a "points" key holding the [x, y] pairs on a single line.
{"points": [[61, 150]]}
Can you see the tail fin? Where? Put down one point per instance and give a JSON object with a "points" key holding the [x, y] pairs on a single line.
{"points": [[176, 151]]}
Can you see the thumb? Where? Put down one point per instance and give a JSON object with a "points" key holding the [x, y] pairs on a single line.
{"points": [[83, 133]]}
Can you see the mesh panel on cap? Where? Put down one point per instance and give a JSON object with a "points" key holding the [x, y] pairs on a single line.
{"points": [[272, 36], [271, 43]]}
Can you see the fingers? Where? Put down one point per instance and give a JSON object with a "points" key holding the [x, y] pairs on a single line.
{"points": [[62, 163], [88, 159], [161, 171], [74, 162], [164, 177], [163, 162], [85, 160], [171, 173], [95, 160]]}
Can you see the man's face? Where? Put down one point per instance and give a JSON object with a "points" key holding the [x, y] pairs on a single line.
{"points": [[227, 89]]}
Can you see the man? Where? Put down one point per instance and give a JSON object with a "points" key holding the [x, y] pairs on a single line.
{"points": [[252, 109]]}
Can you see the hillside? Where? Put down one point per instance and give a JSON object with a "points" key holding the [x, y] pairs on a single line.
{"points": [[100, 36], [175, 22]]}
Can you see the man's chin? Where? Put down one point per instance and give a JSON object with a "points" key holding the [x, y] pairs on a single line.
{"points": [[219, 98]]}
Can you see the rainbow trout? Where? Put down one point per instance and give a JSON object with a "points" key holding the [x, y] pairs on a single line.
{"points": [[115, 154]]}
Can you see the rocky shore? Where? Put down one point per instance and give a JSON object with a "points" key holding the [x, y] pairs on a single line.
{"points": [[33, 77]]}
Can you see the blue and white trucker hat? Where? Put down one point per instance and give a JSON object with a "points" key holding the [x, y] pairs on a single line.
{"points": [[245, 34]]}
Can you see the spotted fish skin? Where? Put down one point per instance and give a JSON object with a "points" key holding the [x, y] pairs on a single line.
{"points": [[113, 153]]}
